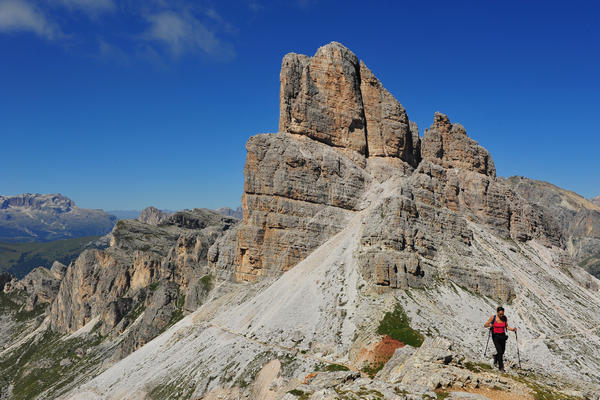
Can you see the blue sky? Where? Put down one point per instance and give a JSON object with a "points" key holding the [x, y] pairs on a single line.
{"points": [[125, 104]]}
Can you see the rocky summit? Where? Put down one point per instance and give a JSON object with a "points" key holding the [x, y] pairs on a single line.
{"points": [[44, 217], [364, 266]]}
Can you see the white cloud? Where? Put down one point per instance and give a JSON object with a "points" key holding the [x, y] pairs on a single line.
{"points": [[89, 6], [20, 16], [182, 32]]}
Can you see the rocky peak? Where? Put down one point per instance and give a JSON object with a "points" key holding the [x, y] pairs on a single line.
{"points": [[152, 216], [595, 200], [335, 99], [448, 145], [320, 97]]}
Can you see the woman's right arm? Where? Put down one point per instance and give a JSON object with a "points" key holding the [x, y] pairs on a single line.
{"points": [[489, 323]]}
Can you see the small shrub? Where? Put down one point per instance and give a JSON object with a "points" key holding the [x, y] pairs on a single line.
{"points": [[396, 324], [335, 367], [372, 369]]}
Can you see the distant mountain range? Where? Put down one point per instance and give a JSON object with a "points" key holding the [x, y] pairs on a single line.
{"points": [[45, 217]]}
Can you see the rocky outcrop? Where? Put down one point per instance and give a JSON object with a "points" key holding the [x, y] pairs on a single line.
{"points": [[302, 183], [114, 286], [37, 217], [448, 145], [320, 98], [577, 218], [298, 192], [389, 132], [152, 216], [230, 212], [39, 287], [335, 99], [595, 200]]}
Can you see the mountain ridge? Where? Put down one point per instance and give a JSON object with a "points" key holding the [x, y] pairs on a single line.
{"points": [[45, 217], [343, 235]]}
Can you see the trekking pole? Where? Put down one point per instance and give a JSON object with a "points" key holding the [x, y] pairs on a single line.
{"points": [[486, 344], [518, 355]]}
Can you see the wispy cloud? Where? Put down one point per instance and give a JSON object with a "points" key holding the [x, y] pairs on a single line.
{"points": [[182, 32], [21, 16], [92, 7], [172, 28]]}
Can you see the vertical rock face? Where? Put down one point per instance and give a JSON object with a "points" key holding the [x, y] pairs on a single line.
{"points": [[578, 218], [335, 99], [40, 286], [118, 283], [302, 183], [320, 97], [389, 130], [152, 216], [448, 145], [298, 192]]}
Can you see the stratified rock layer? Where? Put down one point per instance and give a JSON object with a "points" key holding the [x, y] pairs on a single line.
{"points": [[146, 267]]}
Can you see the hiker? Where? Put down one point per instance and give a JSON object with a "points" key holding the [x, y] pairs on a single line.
{"points": [[498, 325]]}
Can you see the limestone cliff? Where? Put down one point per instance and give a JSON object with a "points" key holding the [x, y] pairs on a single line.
{"points": [[577, 218], [341, 130], [147, 267], [152, 216]]}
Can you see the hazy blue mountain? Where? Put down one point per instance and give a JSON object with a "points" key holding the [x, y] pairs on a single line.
{"points": [[45, 217]]}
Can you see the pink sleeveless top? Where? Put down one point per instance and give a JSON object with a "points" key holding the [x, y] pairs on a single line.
{"points": [[499, 326]]}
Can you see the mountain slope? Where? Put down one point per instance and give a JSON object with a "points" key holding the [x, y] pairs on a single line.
{"points": [[326, 313], [578, 217], [365, 264]]}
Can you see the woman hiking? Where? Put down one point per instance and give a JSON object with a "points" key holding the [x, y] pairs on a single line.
{"points": [[498, 324]]}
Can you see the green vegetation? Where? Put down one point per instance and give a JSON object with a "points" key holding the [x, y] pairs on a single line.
{"points": [[396, 324], [442, 395], [362, 394], [13, 303], [335, 367], [477, 366], [172, 390], [206, 283], [372, 369], [178, 313], [543, 392], [300, 394], [592, 265], [20, 258], [46, 361]]}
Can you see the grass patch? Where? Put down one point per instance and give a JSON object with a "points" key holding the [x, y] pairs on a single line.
{"points": [[35, 367], [206, 283], [372, 369], [300, 394], [442, 395], [396, 324], [335, 367], [542, 392], [172, 390], [477, 366]]}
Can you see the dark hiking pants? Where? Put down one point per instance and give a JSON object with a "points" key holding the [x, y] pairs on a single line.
{"points": [[500, 343]]}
